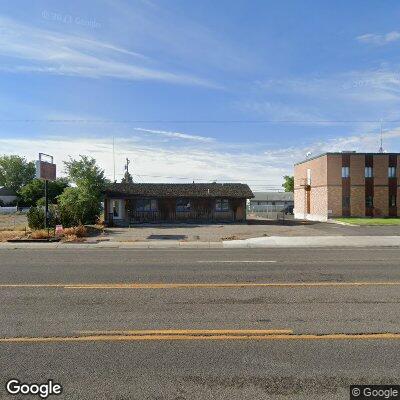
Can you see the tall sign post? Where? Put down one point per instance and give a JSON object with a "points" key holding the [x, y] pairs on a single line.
{"points": [[47, 171]]}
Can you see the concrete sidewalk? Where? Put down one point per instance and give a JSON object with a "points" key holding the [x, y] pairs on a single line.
{"points": [[315, 241], [261, 242]]}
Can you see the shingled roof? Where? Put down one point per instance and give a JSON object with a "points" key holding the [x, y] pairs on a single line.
{"points": [[232, 190]]}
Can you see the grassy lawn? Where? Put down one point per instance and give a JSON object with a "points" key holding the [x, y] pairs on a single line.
{"points": [[370, 221]]}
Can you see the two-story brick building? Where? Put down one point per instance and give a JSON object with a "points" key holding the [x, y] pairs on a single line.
{"points": [[347, 184]]}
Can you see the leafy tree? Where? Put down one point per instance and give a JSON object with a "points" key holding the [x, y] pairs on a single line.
{"points": [[31, 193], [15, 172], [82, 204], [127, 178], [288, 184]]}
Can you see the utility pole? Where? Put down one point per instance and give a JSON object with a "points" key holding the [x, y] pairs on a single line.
{"points": [[46, 196]]}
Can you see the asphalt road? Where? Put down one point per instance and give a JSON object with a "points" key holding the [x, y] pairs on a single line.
{"points": [[174, 324]]}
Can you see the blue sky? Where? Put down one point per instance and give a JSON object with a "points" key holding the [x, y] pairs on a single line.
{"points": [[205, 90]]}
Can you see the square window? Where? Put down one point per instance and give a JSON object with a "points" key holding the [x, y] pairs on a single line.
{"points": [[392, 201], [222, 205], [146, 205], [183, 205], [369, 201], [345, 172]]}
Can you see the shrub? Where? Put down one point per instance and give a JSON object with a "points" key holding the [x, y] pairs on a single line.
{"points": [[78, 206], [40, 234], [36, 215], [6, 235], [78, 231]]}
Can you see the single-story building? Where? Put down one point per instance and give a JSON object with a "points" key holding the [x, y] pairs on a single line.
{"points": [[130, 203], [7, 196], [271, 201]]}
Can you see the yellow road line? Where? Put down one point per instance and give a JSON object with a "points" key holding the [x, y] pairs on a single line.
{"points": [[227, 337], [225, 285], [193, 332], [195, 285]]}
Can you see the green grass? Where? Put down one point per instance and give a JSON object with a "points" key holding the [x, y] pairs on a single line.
{"points": [[370, 221]]}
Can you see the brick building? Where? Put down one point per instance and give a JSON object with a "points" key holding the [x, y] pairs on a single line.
{"points": [[347, 184]]}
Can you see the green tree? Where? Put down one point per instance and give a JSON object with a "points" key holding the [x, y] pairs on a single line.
{"points": [[82, 204], [288, 184], [127, 178], [31, 193], [15, 172]]}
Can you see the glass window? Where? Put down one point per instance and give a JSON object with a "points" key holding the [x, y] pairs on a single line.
{"points": [[146, 205], [222, 205], [183, 205], [392, 201], [368, 172], [369, 201], [345, 172], [346, 202], [392, 172], [308, 176], [115, 208]]}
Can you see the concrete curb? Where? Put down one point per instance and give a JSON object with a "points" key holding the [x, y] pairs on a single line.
{"points": [[260, 242], [113, 245], [316, 241], [332, 221]]}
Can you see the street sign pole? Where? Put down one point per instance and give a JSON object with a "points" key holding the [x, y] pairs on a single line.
{"points": [[46, 212], [46, 170]]}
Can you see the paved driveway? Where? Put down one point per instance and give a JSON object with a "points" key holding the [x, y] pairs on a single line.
{"points": [[216, 232]]}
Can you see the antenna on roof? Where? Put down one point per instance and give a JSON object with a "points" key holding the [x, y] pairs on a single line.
{"points": [[381, 148], [127, 164], [113, 149]]}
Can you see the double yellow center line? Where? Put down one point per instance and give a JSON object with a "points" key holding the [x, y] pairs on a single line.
{"points": [[196, 335]]}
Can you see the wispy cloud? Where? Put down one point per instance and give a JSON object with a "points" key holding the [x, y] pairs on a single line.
{"points": [[45, 51], [177, 135], [197, 162], [278, 111], [379, 39]]}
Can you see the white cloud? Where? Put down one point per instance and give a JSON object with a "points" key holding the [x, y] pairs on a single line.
{"points": [[379, 39], [177, 135], [154, 162], [45, 51], [202, 161]]}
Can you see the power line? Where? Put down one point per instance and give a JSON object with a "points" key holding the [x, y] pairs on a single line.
{"points": [[145, 121], [192, 178]]}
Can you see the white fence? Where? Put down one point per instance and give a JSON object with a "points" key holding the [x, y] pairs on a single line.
{"points": [[267, 208], [13, 210], [8, 210]]}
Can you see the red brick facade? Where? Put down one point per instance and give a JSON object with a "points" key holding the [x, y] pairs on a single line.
{"points": [[337, 184]]}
